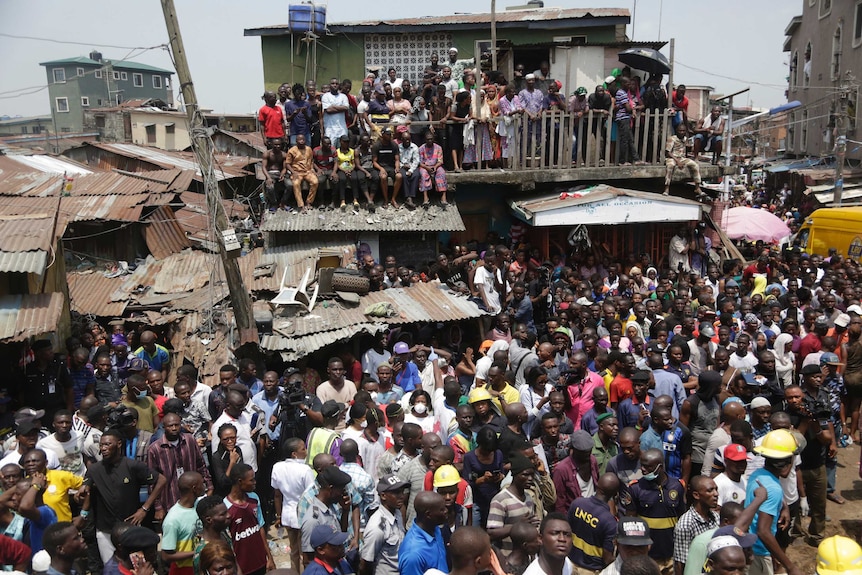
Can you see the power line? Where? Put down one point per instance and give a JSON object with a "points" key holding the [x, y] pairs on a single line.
{"points": [[94, 45], [133, 53]]}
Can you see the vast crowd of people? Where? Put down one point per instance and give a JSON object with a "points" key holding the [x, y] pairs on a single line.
{"points": [[611, 416]]}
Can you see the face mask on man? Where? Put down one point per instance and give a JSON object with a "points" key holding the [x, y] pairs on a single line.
{"points": [[374, 395], [420, 408], [142, 394], [364, 424], [654, 475]]}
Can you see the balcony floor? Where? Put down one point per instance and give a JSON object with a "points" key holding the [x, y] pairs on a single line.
{"points": [[526, 180]]}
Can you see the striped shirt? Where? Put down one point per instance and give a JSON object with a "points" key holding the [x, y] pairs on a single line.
{"points": [[507, 509], [172, 460]]}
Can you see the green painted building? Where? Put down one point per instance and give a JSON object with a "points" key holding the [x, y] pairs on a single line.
{"points": [[77, 84], [581, 45]]}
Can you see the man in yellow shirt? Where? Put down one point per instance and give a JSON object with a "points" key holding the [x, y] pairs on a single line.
{"points": [[502, 393], [61, 484]]}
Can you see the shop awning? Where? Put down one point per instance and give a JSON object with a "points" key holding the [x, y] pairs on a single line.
{"points": [[607, 205]]}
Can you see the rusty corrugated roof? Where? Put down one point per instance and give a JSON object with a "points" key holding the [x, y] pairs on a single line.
{"points": [[163, 234], [24, 243], [435, 219], [424, 302], [187, 343], [295, 258], [90, 293], [186, 271], [502, 18], [24, 234], [25, 316], [225, 166]]}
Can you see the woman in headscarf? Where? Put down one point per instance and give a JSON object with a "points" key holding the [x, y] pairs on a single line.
{"points": [[784, 358]]}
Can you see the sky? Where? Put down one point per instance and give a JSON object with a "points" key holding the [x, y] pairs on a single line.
{"points": [[730, 46]]}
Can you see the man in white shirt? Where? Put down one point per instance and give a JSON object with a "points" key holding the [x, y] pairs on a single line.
{"points": [[376, 355], [486, 281], [66, 444], [678, 252], [334, 104], [290, 479], [731, 482]]}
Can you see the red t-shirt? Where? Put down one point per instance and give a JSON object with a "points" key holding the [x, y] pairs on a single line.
{"points": [[273, 121], [681, 104], [245, 534]]}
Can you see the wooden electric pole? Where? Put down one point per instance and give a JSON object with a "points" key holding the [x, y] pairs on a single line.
{"points": [[203, 147]]}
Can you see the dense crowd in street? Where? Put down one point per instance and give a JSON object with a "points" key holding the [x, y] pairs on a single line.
{"points": [[611, 417]]}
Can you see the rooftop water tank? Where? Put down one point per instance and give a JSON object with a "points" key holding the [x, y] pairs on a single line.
{"points": [[307, 18]]}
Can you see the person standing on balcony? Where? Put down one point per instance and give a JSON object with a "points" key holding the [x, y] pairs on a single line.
{"points": [[623, 109], [532, 102]]}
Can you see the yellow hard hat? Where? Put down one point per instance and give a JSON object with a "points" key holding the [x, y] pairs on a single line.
{"points": [[839, 555], [446, 476], [479, 394], [777, 444]]}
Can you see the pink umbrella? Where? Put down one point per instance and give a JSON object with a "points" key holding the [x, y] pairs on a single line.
{"points": [[754, 224]]}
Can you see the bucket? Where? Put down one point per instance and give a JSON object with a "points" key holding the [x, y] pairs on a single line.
{"points": [[307, 18]]}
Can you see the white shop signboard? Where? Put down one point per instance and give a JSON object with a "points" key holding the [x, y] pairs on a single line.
{"points": [[618, 210]]}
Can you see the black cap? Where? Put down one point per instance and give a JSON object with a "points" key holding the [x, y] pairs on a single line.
{"points": [[138, 538], [810, 369], [332, 477], [173, 405], [26, 427], [331, 408]]}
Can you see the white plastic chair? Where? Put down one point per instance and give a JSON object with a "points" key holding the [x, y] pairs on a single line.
{"points": [[296, 296]]}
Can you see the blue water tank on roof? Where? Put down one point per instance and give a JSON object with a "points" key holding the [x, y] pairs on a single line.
{"points": [[307, 18]]}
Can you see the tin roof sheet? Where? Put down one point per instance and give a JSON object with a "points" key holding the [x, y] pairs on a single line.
{"points": [[25, 234], [435, 219], [90, 293], [163, 234], [502, 17], [296, 258], [425, 302], [225, 166], [24, 243], [186, 271], [51, 164], [24, 316]]}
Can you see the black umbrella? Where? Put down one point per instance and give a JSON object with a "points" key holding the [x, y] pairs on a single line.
{"points": [[645, 59]]}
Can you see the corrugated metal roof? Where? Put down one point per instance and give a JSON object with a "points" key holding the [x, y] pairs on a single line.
{"points": [[259, 275], [25, 183], [24, 243], [295, 348], [175, 179], [25, 234], [435, 219], [207, 357], [52, 164], [24, 316], [90, 293], [502, 17], [590, 195], [125, 208], [23, 262], [163, 234], [225, 166], [425, 302], [296, 258], [198, 202], [111, 183], [186, 271]]}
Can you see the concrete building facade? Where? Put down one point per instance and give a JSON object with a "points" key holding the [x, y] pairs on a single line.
{"points": [[823, 44], [77, 84]]}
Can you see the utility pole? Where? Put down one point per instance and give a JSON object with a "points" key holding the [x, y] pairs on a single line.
{"points": [[493, 37], [203, 147], [841, 137]]}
